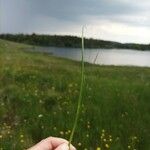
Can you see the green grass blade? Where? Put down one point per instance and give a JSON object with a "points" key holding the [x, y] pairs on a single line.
{"points": [[80, 94]]}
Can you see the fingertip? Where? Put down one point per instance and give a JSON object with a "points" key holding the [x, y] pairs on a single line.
{"points": [[72, 147], [63, 146]]}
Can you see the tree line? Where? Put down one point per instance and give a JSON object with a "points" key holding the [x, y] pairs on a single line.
{"points": [[69, 41]]}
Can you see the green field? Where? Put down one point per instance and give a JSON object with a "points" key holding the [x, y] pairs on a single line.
{"points": [[39, 93]]}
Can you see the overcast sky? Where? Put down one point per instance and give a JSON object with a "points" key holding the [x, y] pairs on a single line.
{"points": [[117, 20]]}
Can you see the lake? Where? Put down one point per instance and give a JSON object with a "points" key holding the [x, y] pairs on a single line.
{"points": [[117, 57]]}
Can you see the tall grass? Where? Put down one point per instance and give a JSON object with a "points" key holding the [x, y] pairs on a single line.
{"points": [[80, 93], [39, 93]]}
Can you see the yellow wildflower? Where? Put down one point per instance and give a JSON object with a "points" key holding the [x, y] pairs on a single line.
{"points": [[104, 140], [21, 141], [79, 144], [107, 146], [21, 135], [98, 148], [61, 132], [129, 147]]}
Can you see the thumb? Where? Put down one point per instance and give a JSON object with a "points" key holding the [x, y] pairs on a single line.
{"points": [[64, 146]]}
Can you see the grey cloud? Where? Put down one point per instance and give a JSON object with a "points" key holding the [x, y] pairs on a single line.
{"points": [[26, 15], [74, 9]]}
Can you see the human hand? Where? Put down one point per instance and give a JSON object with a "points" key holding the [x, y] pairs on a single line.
{"points": [[52, 143]]}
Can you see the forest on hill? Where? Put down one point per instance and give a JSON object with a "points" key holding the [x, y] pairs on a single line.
{"points": [[69, 41]]}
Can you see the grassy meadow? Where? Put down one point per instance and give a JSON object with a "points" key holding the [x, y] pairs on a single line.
{"points": [[39, 93]]}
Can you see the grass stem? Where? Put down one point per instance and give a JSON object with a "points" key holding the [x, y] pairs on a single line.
{"points": [[81, 92]]}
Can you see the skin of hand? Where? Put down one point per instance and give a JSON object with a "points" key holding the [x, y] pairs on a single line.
{"points": [[52, 143]]}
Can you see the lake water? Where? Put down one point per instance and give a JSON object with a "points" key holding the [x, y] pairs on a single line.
{"points": [[119, 57]]}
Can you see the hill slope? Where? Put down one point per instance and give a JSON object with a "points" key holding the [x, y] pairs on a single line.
{"points": [[69, 41], [38, 94]]}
